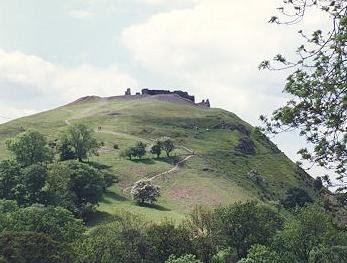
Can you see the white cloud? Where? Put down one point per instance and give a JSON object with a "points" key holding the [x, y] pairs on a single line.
{"points": [[33, 75], [214, 49]]}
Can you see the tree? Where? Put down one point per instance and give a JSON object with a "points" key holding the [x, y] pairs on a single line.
{"points": [[316, 85], [261, 254], [318, 183], [145, 191], [309, 232], [66, 150], [202, 228], [167, 145], [10, 174], [296, 196], [166, 239], [82, 141], [156, 148], [183, 259], [139, 150], [57, 187], [30, 187], [30, 147], [122, 240], [242, 225], [31, 247], [86, 185], [128, 152]]}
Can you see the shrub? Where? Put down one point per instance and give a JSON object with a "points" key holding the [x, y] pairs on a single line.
{"points": [[296, 197], [156, 148], [184, 259], [167, 145], [145, 191]]}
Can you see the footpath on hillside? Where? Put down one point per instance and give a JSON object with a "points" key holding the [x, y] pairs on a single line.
{"points": [[190, 155]]}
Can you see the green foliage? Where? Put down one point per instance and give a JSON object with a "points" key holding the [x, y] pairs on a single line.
{"points": [[166, 239], [87, 186], [25, 185], [183, 259], [57, 222], [318, 183], [145, 191], [30, 147], [224, 256], [37, 233], [167, 145], [75, 186], [81, 141], [156, 148], [296, 197], [261, 254], [10, 174], [243, 224], [308, 234], [120, 241], [31, 247], [66, 150], [30, 187], [139, 150], [317, 108], [322, 254], [201, 226]]}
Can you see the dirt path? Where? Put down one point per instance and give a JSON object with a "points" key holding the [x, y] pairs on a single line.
{"points": [[172, 170]]}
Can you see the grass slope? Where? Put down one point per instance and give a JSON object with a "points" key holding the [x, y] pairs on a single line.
{"points": [[217, 174]]}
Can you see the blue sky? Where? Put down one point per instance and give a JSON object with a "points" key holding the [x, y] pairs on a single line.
{"points": [[53, 52]]}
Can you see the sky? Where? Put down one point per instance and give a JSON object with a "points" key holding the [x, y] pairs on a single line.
{"points": [[53, 52]]}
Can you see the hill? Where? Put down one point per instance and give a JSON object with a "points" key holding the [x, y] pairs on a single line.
{"points": [[219, 159]]}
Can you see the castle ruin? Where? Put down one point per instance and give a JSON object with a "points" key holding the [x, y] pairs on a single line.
{"points": [[182, 94]]}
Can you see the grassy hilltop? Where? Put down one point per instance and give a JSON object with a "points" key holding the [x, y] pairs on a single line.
{"points": [[223, 151]]}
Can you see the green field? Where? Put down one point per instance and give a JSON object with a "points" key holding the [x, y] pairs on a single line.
{"points": [[216, 174]]}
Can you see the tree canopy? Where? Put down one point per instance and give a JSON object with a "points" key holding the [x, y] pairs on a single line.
{"points": [[30, 147], [316, 85]]}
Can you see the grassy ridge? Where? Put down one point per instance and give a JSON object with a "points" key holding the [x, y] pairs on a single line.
{"points": [[217, 174]]}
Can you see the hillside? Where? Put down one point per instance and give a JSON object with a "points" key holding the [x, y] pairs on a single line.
{"points": [[212, 164]]}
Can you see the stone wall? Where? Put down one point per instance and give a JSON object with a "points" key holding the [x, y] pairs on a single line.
{"points": [[180, 93]]}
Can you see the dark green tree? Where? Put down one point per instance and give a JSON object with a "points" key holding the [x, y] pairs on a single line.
{"points": [[30, 187], [261, 254], [66, 150], [57, 187], [139, 150], [156, 148], [82, 141], [10, 175], [316, 85], [120, 241], [296, 196], [167, 145], [30, 147], [56, 222], [311, 232], [242, 225], [166, 239], [87, 186], [32, 247]]}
